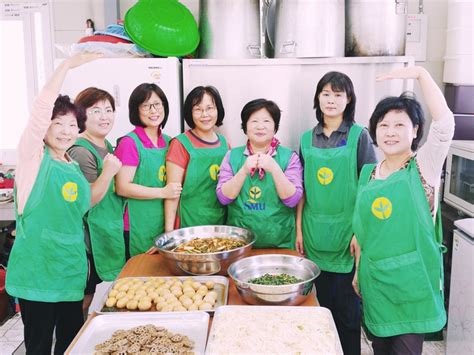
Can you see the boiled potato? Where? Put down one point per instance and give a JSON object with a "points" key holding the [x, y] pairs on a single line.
{"points": [[146, 299], [213, 294], [197, 297], [140, 292], [167, 308], [205, 306], [121, 303], [209, 299], [124, 287], [111, 301], [132, 305], [193, 307], [153, 295], [121, 295], [144, 305], [187, 302], [177, 293]]}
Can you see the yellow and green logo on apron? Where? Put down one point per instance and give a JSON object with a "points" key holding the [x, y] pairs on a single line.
{"points": [[254, 194], [214, 171], [325, 176], [162, 173], [69, 191], [382, 208]]}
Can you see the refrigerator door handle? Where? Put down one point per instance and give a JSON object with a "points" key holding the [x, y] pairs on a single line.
{"points": [[116, 90], [288, 47]]}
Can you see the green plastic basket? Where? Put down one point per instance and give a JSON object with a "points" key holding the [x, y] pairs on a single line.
{"points": [[162, 27]]}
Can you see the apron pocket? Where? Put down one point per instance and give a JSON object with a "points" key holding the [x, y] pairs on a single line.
{"points": [[330, 233], [66, 257], [400, 278]]}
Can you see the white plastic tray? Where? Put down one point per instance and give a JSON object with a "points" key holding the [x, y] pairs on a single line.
{"points": [[273, 329], [221, 286], [100, 328]]}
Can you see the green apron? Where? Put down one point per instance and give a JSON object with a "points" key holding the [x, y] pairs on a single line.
{"points": [[400, 270], [147, 216], [105, 225], [259, 208], [48, 261], [198, 204], [330, 182]]}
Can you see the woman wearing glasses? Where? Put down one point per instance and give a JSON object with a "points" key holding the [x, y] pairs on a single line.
{"points": [[142, 178], [104, 222], [193, 159]]}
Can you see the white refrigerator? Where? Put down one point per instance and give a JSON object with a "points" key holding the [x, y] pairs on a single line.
{"points": [[461, 303], [119, 76]]}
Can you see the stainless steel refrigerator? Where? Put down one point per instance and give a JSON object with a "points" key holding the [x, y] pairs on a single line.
{"points": [[291, 83]]}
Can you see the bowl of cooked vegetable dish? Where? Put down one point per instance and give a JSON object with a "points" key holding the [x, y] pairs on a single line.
{"points": [[276, 279], [204, 250]]}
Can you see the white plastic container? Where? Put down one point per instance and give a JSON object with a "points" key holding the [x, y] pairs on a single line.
{"points": [[460, 41], [459, 69], [459, 58]]}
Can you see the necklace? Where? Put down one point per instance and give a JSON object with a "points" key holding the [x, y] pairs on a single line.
{"points": [[390, 171]]}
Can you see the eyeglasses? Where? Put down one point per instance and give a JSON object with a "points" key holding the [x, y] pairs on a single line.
{"points": [[147, 107], [200, 112], [97, 112]]}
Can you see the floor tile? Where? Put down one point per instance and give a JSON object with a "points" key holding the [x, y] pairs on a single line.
{"points": [[7, 347], [434, 348], [14, 335], [18, 325]]}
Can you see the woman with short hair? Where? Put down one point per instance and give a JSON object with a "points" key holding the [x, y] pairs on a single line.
{"points": [[400, 271], [261, 182], [47, 269]]}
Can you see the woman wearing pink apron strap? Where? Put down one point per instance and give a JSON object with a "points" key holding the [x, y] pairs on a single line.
{"points": [[400, 271], [142, 178]]}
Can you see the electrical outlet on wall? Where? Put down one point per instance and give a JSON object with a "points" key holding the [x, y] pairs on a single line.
{"points": [[416, 36]]}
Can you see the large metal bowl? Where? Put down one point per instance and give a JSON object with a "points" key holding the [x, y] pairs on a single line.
{"points": [[202, 264], [255, 266]]}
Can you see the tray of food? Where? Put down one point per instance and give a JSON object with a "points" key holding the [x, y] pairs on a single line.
{"points": [[165, 294], [124, 333], [272, 330]]}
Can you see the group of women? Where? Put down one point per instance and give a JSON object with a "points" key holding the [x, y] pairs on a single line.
{"points": [[369, 226]]}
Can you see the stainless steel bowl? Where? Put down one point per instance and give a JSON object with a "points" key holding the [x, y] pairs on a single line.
{"points": [[202, 264], [255, 266]]}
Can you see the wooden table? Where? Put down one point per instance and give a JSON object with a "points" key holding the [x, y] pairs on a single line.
{"points": [[155, 265]]}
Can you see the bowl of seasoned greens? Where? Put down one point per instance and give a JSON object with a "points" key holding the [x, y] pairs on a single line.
{"points": [[204, 250], [276, 279]]}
